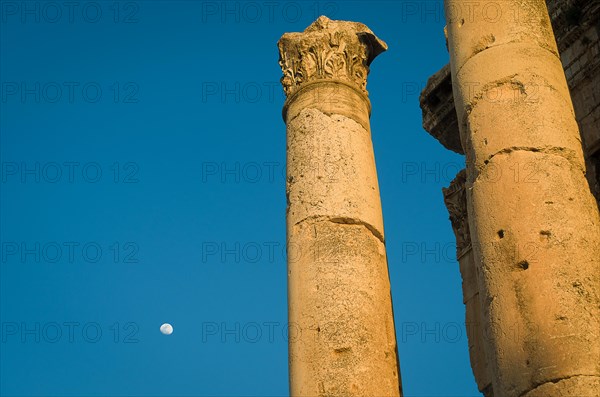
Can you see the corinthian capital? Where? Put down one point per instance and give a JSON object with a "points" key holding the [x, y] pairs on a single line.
{"points": [[328, 50]]}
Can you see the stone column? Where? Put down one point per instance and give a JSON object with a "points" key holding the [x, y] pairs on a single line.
{"points": [[342, 338], [534, 224]]}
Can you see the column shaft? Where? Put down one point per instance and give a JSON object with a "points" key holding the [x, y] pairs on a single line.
{"points": [[339, 291], [534, 224]]}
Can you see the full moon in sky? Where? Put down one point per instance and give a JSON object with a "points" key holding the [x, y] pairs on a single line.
{"points": [[166, 329]]}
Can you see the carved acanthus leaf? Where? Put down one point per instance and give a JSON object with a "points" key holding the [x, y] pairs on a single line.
{"points": [[335, 50]]}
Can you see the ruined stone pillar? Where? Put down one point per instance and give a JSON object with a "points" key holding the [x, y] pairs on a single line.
{"points": [[455, 198], [342, 338], [534, 224]]}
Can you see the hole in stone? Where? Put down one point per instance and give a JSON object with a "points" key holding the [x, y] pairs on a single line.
{"points": [[523, 265], [318, 329], [501, 233], [344, 349], [461, 22], [545, 233]]}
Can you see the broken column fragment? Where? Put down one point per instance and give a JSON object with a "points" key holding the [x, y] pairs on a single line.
{"points": [[455, 197]]}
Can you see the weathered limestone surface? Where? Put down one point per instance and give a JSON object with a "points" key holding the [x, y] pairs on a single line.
{"points": [[339, 289], [576, 25], [534, 225], [455, 197]]}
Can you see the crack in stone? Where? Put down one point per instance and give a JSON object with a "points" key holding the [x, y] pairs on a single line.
{"points": [[345, 221], [554, 150], [328, 114], [556, 380], [511, 42], [508, 80], [515, 84], [563, 152], [352, 221]]}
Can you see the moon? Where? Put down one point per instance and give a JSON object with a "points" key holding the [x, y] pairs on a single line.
{"points": [[166, 329]]}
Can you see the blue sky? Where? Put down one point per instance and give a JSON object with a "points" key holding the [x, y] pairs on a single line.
{"points": [[143, 154]]}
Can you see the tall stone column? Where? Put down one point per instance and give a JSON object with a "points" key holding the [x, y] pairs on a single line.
{"points": [[342, 338], [534, 224]]}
